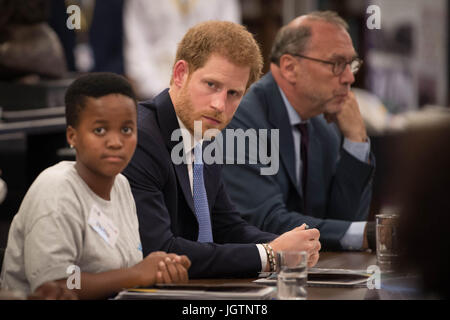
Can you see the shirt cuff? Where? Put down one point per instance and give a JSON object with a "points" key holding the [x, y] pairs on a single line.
{"points": [[354, 237], [360, 150], [263, 255]]}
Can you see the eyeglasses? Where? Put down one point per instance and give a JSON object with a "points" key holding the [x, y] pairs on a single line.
{"points": [[338, 66]]}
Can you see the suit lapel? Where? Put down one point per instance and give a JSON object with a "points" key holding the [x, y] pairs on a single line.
{"points": [[182, 175], [279, 118], [168, 123]]}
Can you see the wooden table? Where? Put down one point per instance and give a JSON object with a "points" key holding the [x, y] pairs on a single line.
{"points": [[339, 260]]}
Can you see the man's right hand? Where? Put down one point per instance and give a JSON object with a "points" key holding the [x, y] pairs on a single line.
{"points": [[299, 239]]}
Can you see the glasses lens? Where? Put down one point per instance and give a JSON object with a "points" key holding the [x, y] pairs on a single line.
{"points": [[339, 67]]}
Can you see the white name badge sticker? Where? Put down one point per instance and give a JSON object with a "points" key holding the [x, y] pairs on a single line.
{"points": [[103, 225]]}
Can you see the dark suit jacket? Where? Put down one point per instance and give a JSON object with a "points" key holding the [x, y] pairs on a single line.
{"points": [[165, 205], [339, 185]]}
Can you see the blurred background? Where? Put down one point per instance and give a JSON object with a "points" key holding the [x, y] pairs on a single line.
{"points": [[45, 44]]}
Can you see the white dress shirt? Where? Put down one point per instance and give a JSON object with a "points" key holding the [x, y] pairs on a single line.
{"points": [[188, 144]]}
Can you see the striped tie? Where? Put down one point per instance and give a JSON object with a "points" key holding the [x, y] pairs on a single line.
{"points": [[304, 157], [200, 199]]}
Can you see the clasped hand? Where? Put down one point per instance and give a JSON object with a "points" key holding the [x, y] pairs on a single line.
{"points": [[300, 239]]}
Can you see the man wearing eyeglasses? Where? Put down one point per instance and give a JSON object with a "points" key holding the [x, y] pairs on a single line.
{"points": [[326, 168]]}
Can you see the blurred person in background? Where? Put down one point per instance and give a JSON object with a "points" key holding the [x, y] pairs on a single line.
{"points": [[420, 187], [28, 46], [152, 30], [96, 45]]}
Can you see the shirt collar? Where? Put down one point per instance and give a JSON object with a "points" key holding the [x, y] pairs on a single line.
{"points": [[189, 141], [294, 117]]}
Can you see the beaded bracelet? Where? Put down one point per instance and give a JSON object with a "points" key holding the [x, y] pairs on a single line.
{"points": [[271, 257]]}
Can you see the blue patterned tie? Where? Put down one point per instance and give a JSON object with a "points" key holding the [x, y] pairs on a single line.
{"points": [[200, 199]]}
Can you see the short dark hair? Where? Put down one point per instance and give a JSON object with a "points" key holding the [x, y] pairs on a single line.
{"points": [[95, 85], [295, 39]]}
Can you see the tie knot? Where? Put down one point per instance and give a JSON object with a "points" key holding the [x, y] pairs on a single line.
{"points": [[303, 127], [198, 154]]}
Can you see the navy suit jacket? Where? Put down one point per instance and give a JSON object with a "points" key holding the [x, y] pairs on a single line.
{"points": [[165, 206], [338, 187]]}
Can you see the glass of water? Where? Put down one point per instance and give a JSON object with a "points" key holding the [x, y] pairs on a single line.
{"points": [[387, 240], [292, 275]]}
